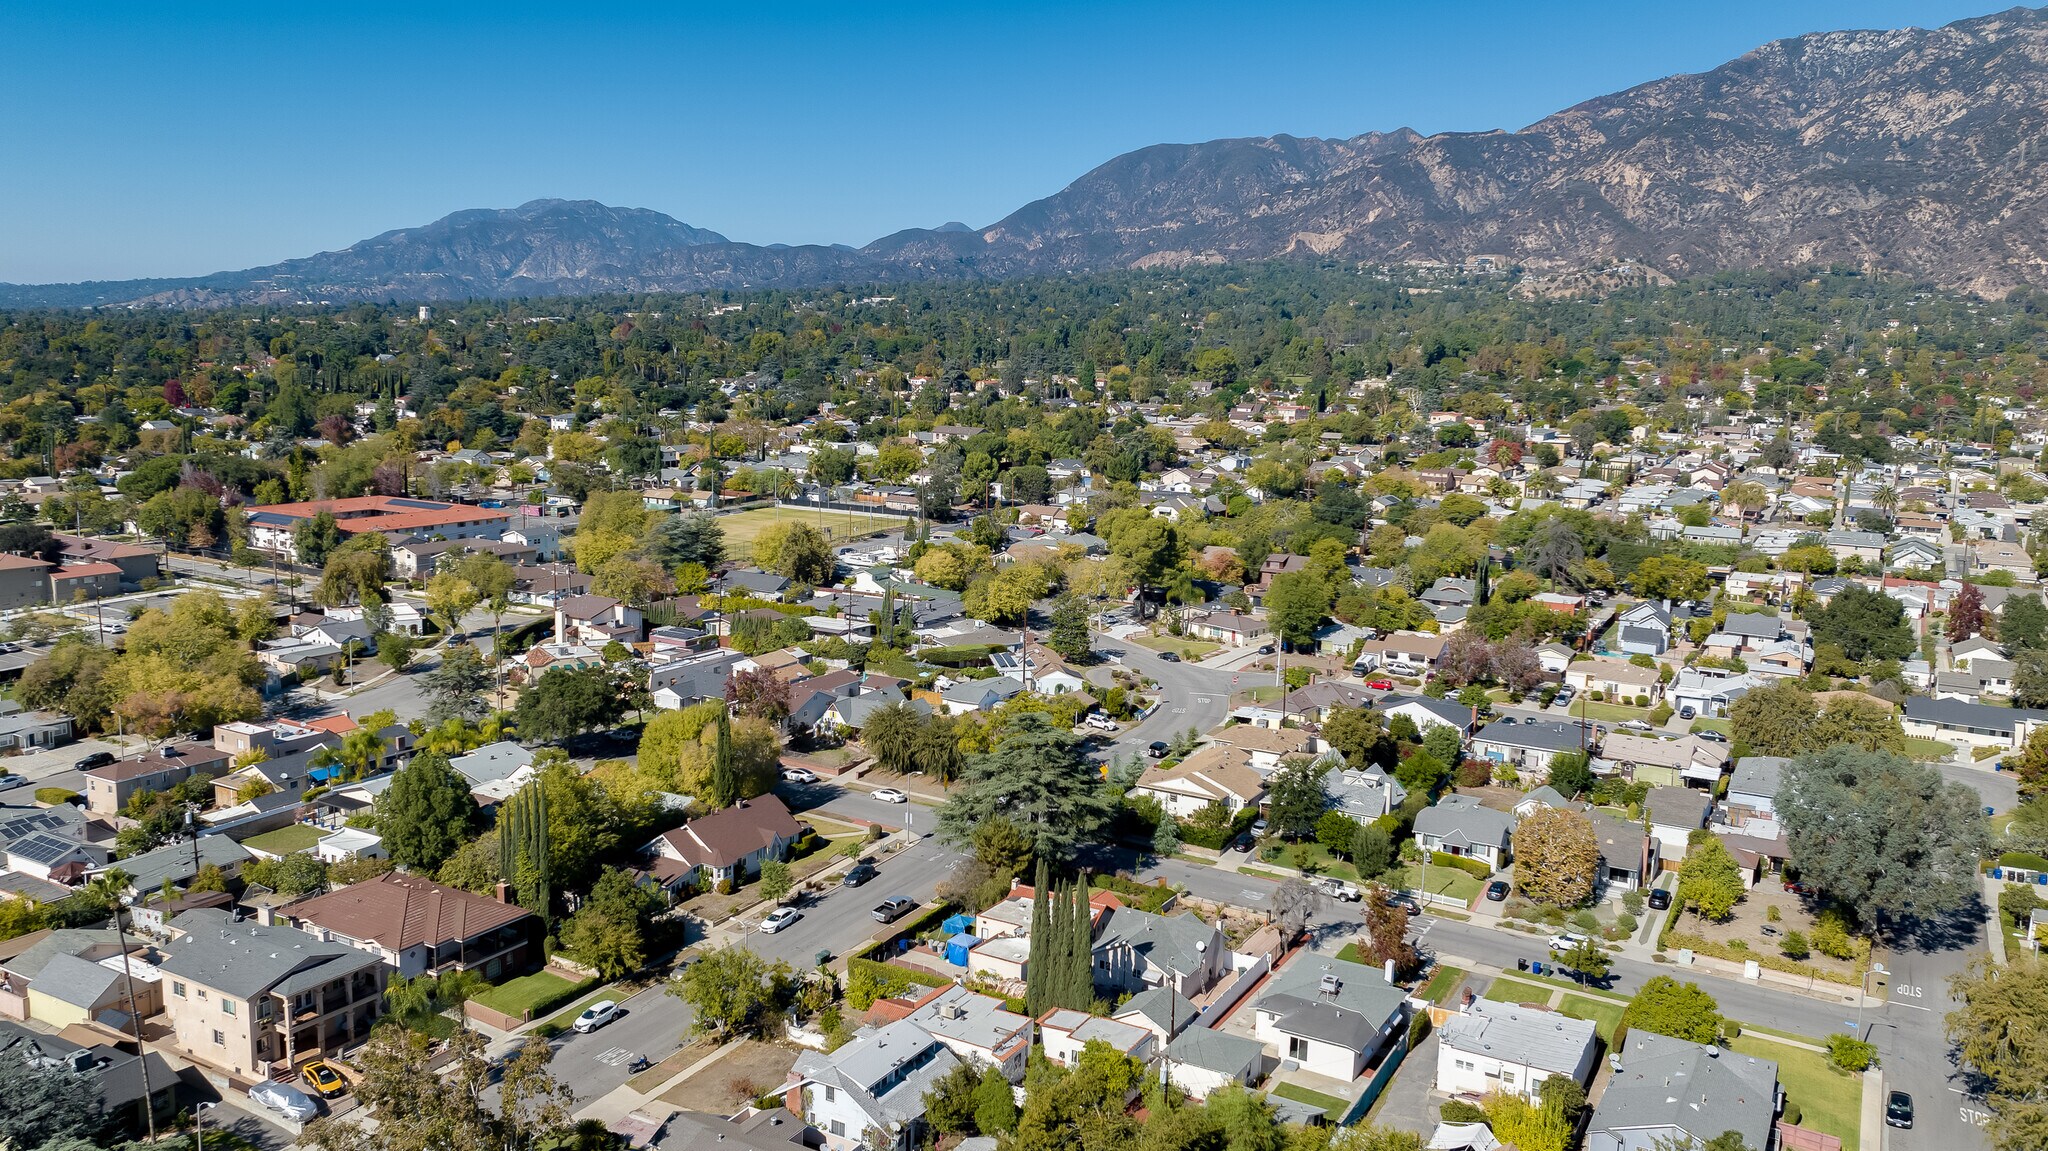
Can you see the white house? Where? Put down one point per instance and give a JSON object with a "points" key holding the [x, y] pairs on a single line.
{"points": [[1505, 1047], [1459, 825], [1329, 1016], [875, 1083], [1063, 1033]]}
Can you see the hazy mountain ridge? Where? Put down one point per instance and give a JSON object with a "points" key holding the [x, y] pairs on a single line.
{"points": [[1905, 151]]}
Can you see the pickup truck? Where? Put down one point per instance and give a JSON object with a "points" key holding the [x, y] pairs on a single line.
{"points": [[1338, 889], [893, 909]]}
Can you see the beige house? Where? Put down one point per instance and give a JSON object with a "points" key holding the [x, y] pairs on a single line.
{"points": [[1614, 677], [260, 1001], [1688, 761], [108, 789], [1214, 774]]}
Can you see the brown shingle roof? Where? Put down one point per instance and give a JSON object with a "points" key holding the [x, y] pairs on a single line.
{"points": [[401, 911], [730, 834]]}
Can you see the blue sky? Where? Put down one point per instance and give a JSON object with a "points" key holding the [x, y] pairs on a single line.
{"points": [[173, 139]]}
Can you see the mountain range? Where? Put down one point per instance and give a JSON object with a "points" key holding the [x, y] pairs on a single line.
{"points": [[1913, 151]]}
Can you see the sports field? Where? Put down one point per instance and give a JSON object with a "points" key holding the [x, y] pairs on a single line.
{"points": [[742, 528]]}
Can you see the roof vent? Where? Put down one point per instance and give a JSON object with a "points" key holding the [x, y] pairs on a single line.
{"points": [[1330, 985]]}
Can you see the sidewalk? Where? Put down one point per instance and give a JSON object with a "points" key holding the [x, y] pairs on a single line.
{"points": [[1994, 927], [623, 1100]]}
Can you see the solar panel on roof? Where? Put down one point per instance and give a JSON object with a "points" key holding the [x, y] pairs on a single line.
{"points": [[42, 848]]}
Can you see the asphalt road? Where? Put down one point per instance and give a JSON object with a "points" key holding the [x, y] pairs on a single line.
{"points": [[1191, 696]]}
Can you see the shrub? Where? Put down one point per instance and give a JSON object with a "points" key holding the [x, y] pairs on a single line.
{"points": [[1628, 923], [1633, 901], [1662, 715], [53, 796], [2016, 904], [1475, 773], [1459, 1111], [2024, 860], [1850, 1053], [1586, 921], [1795, 946], [1599, 697], [1465, 864], [1831, 935], [1773, 914], [1792, 1113]]}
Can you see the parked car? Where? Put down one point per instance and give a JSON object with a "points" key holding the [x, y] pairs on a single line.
{"points": [[1712, 736], [780, 918], [1403, 899], [595, 1016], [284, 1099], [858, 874], [321, 1076], [894, 908], [1169, 657], [1564, 695], [1687, 712], [891, 795], [1101, 723], [1797, 888], [1259, 826], [1497, 890], [11, 781], [799, 775], [1898, 1110], [1566, 940], [1157, 750], [1660, 899], [1637, 725], [1380, 684], [96, 759]]}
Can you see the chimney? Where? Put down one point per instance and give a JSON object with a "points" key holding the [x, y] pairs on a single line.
{"points": [[504, 892]]}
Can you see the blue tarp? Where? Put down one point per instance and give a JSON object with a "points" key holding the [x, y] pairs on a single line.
{"points": [[957, 924], [958, 947]]}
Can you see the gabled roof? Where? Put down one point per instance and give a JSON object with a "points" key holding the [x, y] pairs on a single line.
{"points": [[402, 911], [247, 959], [724, 837], [1550, 1040], [1461, 820], [1702, 1090]]}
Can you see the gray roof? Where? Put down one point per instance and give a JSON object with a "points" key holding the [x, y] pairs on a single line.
{"points": [[1678, 807], [1758, 774], [1172, 942], [903, 1059], [1545, 1039], [1164, 1007], [1667, 1083], [1460, 820], [1956, 713], [116, 1073], [63, 941], [492, 762], [1217, 1051], [1351, 1017], [1753, 625], [1547, 736], [1455, 714], [173, 861], [79, 982], [247, 959]]}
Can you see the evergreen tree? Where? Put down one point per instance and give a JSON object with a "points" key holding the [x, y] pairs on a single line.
{"points": [[523, 848], [1078, 939], [726, 787], [1039, 969]]}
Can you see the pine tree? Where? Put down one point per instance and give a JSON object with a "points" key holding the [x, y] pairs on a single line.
{"points": [[1079, 940]]}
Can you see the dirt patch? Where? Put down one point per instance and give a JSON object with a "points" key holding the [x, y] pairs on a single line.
{"points": [[1751, 926], [734, 1080]]}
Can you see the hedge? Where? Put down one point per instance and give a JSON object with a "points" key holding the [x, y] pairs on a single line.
{"points": [[1215, 838], [908, 927], [1149, 897], [956, 656], [52, 796], [889, 981], [1463, 863], [2020, 859]]}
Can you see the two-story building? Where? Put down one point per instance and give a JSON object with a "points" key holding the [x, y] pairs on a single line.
{"points": [[420, 927]]}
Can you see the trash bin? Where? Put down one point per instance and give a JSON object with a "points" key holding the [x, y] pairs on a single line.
{"points": [[1521, 965]]}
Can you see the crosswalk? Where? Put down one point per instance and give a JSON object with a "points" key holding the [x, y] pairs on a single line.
{"points": [[613, 1056]]}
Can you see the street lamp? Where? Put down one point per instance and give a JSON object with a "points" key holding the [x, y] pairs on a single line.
{"points": [[199, 1125], [1862, 988]]}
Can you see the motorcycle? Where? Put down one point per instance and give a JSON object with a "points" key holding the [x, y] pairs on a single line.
{"points": [[640, 1063]]}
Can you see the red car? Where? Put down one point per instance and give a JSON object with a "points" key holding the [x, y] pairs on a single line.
{"points": [[1380, 684], [1800, 889]]}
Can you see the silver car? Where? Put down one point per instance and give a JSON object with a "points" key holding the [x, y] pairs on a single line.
{"points": [[284, 1099]]}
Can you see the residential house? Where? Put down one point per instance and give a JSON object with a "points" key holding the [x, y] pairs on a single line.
{"points": [[974, 1026], [1459, 825], [272, 527], [1213, 774], [1425, 712], [1200, 1060], [1489, 1046], [1704, 691], [259, 1001], [1753, 788], [1162, 1011], [874, 1084], [1976, 724], [1865, 548], [1135, 949], [1226, 627], [1676, 1091], [1674, 814], [420, 927], [1266, 748], [1614, 679], [1529, 747], [1687, 761], [1363, 795], [726, 845], [1645, 629], [1999, 556], [115, 1076], [109, 788], [597, 620], [1402, 653], [1329, 1016], [1063, 1033], [973, 695]]}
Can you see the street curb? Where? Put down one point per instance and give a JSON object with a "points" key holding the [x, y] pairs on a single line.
{"points": [[1870, 1132]]}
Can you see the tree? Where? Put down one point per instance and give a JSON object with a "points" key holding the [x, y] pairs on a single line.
{"points": [[759, 694], [775, 881], [1360, 736], [690, 538], [1296, 605], [41, 1105], [2031, 766], [1776, 719], [449, 598], [1386, 932], [1890, 837], [938, 749], [796, 550], [1372, 850], [455, 687], [419, 1106], [354, 573], [1557, 857], [1709, 880], [1867, 624], [315, 539], [525, 850], [1069, 634], [395, 649], [1294, 904], [1997, 1035], [1295, 798], [995, 1107], [566, 702], [426, 813], [1866, 722], [1586, 959], [1571, 773], [2023, 622], [2030, 677], [1668, 1007], [733, 991], [1669, 577], [1337, 832], [890, 735], [609, 931], [534, 1108], [1036, 778], [1467, 658], [1966, 614], [1527, 1126]]}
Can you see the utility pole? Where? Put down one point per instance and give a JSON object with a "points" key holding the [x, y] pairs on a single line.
{"points": [[135, 1014]]}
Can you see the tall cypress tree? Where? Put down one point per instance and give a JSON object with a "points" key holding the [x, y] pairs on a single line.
{"points": [[1040, 968], [523, 848], [1080, 951], [725, 779]]}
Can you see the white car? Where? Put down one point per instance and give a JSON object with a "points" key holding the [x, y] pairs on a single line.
{"points": [[780, 918], [284, 1099], [891, 795], [1566, 941], [595, 1016], [799, 775]]}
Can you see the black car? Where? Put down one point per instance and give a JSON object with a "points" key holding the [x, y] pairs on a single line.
{"points": [[1169, 657], [1660, 899], [1497, 890], [859, 874], [1712, 736], [1898, 1110], [1157, 750], [96, 759]]}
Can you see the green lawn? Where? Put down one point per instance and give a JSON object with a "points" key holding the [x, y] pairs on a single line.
{"points": [[743, 528], [1830, 1101], [517, 996], [1442, 881], [1605, 1016], [1184, 648], [1331, 1105], [1584, 708], [1505, 990], [1928, 750], [1442, 985], [1724, 726], [286, 840]]}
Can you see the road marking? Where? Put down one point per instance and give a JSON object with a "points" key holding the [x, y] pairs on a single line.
{"points": [[613, 1056], [1913, 1006], [1180, 711], [1251, 896]]}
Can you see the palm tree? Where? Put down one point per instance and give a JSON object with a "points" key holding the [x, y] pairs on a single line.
{"points": [[1886, 499], [1744, 496]]}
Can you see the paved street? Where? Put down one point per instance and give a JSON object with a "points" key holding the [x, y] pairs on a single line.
{"points": [[1191, 696]]}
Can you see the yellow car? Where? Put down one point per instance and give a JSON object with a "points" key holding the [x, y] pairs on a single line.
{"points": [[323, 1079]]}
